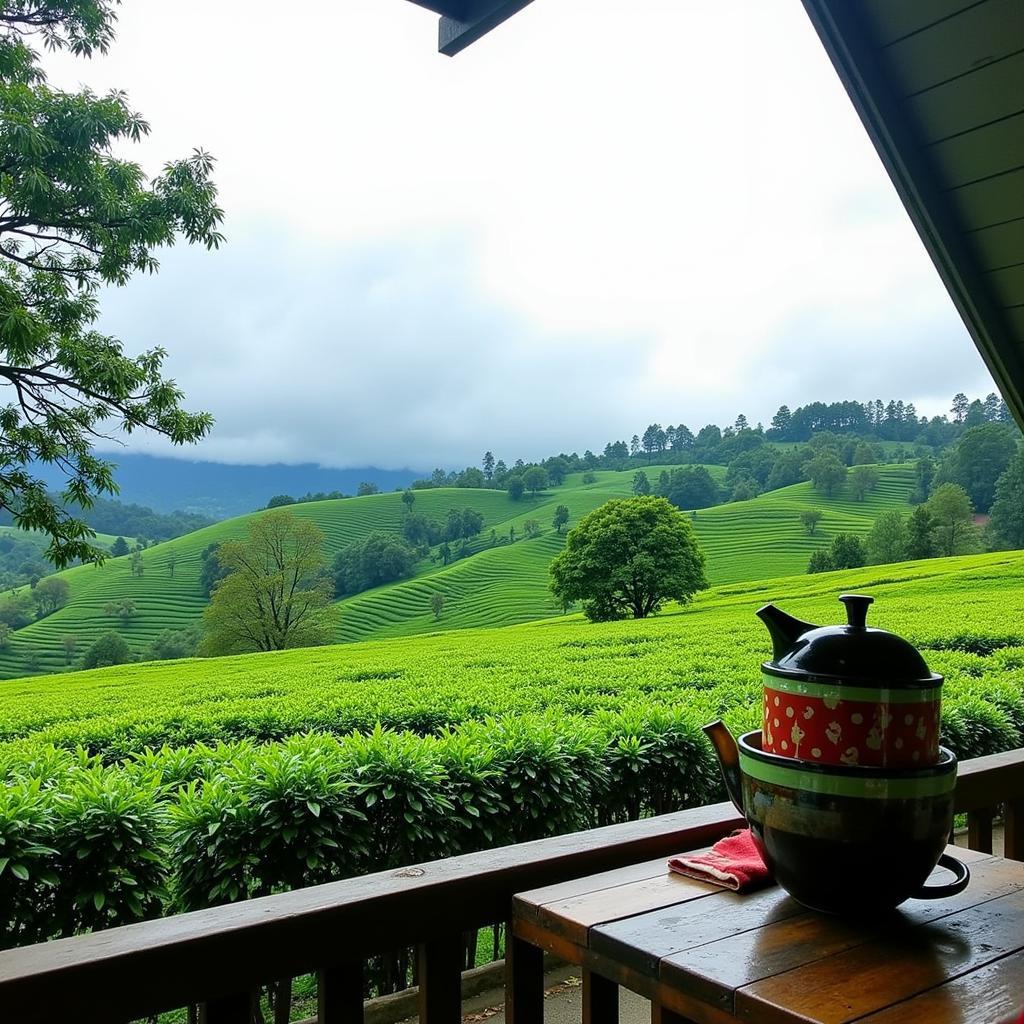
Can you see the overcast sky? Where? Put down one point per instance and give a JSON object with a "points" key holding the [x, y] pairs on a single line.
{"points": [[603, 214]]}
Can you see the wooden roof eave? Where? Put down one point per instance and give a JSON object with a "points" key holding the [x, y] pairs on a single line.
{"points": [[842, 28]]}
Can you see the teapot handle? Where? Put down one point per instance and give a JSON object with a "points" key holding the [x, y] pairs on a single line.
{"points": [[959, 883]]}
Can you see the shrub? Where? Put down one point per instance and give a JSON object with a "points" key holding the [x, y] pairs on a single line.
{"points": [[110, 649]]}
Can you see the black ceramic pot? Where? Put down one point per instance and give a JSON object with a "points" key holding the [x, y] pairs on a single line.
{"points": [[850, 840]]}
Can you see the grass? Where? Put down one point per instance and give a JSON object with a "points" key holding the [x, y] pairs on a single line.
{"points": [[967, 613], [493, 586]]}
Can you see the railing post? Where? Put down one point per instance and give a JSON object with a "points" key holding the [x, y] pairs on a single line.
{"points": [[1013, 830], [979, 830], [524, 981], [233, 1009], [339, 994], [600, 999], [440, 978]]}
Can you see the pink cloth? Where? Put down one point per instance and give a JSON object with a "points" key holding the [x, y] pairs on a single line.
{"points": [[733, 862]]}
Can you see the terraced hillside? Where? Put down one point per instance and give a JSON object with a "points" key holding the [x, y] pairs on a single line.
{"points": [[165, 601], [499, 583], [744, 540]]}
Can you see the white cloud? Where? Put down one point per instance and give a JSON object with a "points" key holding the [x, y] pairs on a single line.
{"points": [[600, 215]]}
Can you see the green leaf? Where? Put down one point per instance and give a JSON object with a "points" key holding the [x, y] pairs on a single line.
{"points": [[20, 871]]}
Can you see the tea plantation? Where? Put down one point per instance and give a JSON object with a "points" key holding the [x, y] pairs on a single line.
{"points": [[494, 586], [139, 789]]}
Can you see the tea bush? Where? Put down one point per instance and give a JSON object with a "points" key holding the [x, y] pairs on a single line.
{"points": [[132, 792]]}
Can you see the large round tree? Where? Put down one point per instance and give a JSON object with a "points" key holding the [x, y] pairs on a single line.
{"points": [[627, 558]]}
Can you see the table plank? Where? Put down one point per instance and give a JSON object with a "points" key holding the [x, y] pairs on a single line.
{"points": [[592, 883], [714, 971], [643, 941], [573, 918], [894, 967], [992, 993]]}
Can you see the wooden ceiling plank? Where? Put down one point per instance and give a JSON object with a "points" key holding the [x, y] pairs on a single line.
{"points": [[978, 154], [991, 201], [1000, 245], [961, 44], [895, 20], [982, 97], [1009, 285]]}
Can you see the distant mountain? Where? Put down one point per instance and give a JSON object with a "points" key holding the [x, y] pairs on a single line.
{"points": [[220, 491]]}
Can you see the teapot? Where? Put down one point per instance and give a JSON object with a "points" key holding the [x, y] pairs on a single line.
{"points": [[841, 839], [849, 694]]}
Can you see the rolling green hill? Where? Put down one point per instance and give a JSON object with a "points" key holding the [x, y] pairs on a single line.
{"points": [[495, 585]]}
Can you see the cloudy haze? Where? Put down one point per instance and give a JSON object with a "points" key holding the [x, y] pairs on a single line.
{"points": [[603, 214]]}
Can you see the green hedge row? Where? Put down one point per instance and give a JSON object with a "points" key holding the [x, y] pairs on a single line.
{"points": [[87, 845], [614, 677]]}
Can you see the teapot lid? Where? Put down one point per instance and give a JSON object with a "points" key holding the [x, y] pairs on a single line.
{"points": [[853, 653]]}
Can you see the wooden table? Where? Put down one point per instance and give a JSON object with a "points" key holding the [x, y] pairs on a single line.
{"points": [[703, 954]]}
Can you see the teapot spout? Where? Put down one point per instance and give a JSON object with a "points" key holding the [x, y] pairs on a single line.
{"points": [[784, 629], [729, 760]]}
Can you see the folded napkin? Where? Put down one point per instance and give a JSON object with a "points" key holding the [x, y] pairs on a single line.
{"points": [[734, 862]]}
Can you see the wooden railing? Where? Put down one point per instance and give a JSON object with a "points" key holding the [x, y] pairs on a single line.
{"points": [[217, 959]]}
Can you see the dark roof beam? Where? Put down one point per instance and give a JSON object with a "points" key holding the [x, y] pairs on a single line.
{"points": [[476, 19]]}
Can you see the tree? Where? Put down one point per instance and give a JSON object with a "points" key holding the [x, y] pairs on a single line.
{"points": [[888, 539], [437, 602], [488, 467], [820, 561], [924, 473], [70, 646], [109, 649], [75, 218], [951, 512], [408, 499], [826, 472], [561, 517], [634, 445], [535, 479], [211, 571], [862, 480], [641, 485], [977, 461], [445, 552], [557, 468], [845, 552], [137, 568], [515, 487], [959, 407], [119, 547], [172, 644], [377, 558], [692, 487], [531, 529], [276, 593], [653, 440], [1007, 523], [124, 609], [366, 488], [627, 558], [921, 534], [5, 636], [50, 594], [172, 561], [809, 520], [280, 500]]}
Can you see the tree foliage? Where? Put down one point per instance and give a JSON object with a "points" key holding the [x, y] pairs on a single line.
{"points": [[109, 649], [888, 540], [826, 472], [276, 593], [691, 487], [375, 559], [74, 218], [1007, 522], [627, 558], [809, 519], [977, 461], [952, 516]]}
